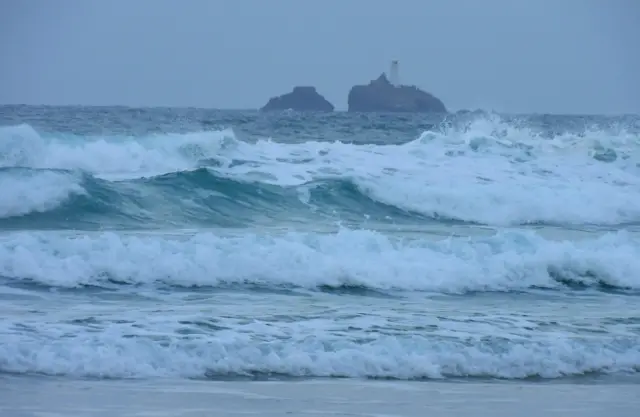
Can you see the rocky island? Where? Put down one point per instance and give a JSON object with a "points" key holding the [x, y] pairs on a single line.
{"points": [[302, 98], [381, 95]]}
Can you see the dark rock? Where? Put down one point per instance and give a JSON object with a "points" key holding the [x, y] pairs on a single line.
{"points": [[382, 96], [300, 99]]}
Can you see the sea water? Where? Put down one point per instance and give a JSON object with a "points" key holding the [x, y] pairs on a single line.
{"points": [[200, 262]]}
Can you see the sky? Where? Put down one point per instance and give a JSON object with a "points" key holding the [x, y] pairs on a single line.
{"points": [[516, 56]]}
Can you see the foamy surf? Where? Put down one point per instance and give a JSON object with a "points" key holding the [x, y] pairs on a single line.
{"points": [[350, 259], [118, 351], [484, 173], [139, 244]]}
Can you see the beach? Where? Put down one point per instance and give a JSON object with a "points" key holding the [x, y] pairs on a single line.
{"points": [[55, 398]]}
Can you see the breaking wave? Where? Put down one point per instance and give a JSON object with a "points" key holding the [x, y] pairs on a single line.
{"points": [[484, 174]]}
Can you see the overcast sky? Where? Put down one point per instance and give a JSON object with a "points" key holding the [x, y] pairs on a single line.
{"points": [[554, 56]]}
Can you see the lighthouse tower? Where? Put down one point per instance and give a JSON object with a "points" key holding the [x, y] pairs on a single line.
{"points": [[394, 77]]}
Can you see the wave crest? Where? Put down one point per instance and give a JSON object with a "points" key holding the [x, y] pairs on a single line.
{"points": [[347, 260], [485, 172], [231, 354]]}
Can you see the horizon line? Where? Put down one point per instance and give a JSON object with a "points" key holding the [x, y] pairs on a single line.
{"points": [[257, 110]]}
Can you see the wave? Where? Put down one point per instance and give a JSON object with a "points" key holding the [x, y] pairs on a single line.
{"points": [[353, 262], [487, 172], [124, 352], [200, 197], [214, 294]]}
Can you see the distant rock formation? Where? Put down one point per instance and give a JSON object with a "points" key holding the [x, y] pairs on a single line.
{"points": [[382, 96], [302, 98]]}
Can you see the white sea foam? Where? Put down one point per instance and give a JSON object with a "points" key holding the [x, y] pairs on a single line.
{"points": [[31, 191], [507, 261], [110, 353], [110, 157], [217, 338], [490, 172]]}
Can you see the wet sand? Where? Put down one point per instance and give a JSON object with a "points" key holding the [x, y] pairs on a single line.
{"points": [[23, 397]]}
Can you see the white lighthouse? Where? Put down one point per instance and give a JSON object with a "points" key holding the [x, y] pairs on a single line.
{"points": [[394, 77]]}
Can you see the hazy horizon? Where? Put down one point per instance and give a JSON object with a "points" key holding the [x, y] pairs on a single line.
{"points": [[570, 57]]}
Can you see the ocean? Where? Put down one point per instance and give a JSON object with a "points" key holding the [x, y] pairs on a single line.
{"points": [[205, 262]]}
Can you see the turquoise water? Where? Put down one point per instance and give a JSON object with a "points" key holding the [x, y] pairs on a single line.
{"points": [[193, 244]]}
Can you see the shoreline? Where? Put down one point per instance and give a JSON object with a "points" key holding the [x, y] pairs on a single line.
{"points": [[186, 398]]}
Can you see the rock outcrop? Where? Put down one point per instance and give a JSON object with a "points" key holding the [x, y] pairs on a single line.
{"points": [[302, 98], [382, 96]]}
